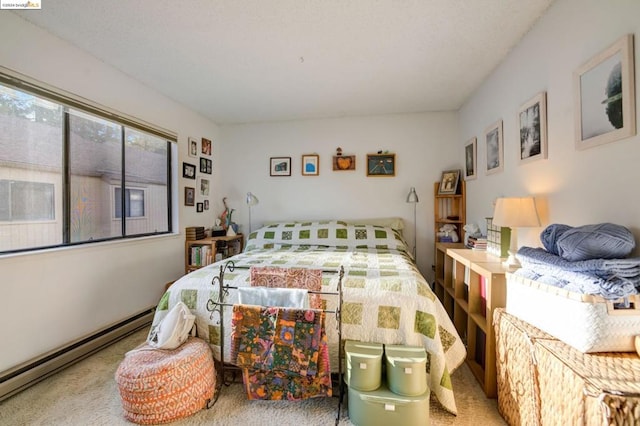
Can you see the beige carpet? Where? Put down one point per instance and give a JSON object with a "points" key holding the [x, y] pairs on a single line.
{"points": [[86, 394]]}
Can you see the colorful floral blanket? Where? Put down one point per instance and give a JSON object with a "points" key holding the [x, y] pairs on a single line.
{"points": [[385, 298], [283, 352]]}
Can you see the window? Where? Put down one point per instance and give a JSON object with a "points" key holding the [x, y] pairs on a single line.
{"points": [[63, 167]]}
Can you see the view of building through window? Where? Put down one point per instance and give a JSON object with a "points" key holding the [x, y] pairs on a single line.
{"points": [[43, 205]]}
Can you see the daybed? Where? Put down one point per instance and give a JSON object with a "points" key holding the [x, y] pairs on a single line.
{"points": [[385, 298]]}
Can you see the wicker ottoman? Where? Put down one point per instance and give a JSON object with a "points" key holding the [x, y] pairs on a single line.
{"points": [[160, 386]]}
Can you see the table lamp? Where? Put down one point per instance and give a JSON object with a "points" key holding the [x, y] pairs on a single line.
{"points": [[515, 213]]}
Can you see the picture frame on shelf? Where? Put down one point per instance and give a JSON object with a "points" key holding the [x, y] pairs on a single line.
{"points": [[494, 148], [471, 159], [449, 182], [199, 207], [310, 165], [280, 166], [188, 171], [193, 147], [189, 196], [532, 119], [381, 165], [206, 147], [206, 165], [604, 90]]}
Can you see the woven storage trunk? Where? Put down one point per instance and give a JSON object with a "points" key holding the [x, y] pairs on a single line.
{"points": [[588, 323], [585, 389], [518, 396], [160, 386]]}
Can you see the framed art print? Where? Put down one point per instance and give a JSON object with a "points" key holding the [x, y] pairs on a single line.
{"points": [[280, 166], [494, 147], [605, 96], [471, 159], [310, 164], [532, 120], [381, 164], [449, 182]]}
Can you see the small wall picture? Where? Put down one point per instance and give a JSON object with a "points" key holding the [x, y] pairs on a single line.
{"points": [[310, 165], [189, 196], [449, 182], [280, 166], [381, 164], [199, 207], [206, 204], [204, 186], [533, 129], [206, 146], [188, 171], [193, 147], [605, 96], [470, 159], [493, 138], [206, 166], [344, 162]]}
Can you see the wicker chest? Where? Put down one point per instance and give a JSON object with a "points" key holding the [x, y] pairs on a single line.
{"points": [[543, 381]]}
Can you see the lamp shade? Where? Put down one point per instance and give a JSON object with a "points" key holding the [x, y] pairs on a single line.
{"points": [[516, 212], [412, 197], [252, 200]]}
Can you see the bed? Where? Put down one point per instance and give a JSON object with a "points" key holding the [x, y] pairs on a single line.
{"points": [[385, 298]]}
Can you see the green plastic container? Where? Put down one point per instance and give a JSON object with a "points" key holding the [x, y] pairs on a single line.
{"points": [[406, 369], [382, 407], [364, 365]]}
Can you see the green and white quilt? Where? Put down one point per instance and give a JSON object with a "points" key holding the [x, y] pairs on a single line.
{"points": [[385, 298]]}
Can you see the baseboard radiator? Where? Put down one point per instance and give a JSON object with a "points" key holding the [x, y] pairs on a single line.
{"points": [[31, 372]]}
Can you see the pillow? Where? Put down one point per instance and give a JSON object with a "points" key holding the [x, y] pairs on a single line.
{"points": [[599, 241], [173, 330]]}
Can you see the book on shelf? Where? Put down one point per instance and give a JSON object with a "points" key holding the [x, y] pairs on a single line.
{"points": [[477, 243], [201, 256]]}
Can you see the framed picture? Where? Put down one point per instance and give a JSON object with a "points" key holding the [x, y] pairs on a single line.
{"points": [[188, 171], [199, 207], [604, 91], [193, 147], [204, 186], [189, 196], [532, 120], [206, 147], [449, 182], [206, 166], [344, 162], [280, 166], [206, 204], [381, 164], [493, 138], [310, 165], [470, 159]]}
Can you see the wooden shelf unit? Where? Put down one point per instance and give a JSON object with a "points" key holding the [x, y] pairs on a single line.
{"points": [[446, 206], [235, 244], [471, 284]]}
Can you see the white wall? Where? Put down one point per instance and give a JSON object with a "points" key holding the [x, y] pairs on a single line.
{"points": [[424, 144], [573, 187], [53, 297]]}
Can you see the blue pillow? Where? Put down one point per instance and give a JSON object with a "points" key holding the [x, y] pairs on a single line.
{"points": [[600, 241]]}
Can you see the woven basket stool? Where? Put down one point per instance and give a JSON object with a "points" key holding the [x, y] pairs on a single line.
{"points": [[160, 386]]}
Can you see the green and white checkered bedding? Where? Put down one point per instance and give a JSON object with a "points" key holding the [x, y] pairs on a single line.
{"points": [[385, 298]]}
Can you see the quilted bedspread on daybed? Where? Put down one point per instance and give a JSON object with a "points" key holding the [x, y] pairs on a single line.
{"points": [[385, 298]]}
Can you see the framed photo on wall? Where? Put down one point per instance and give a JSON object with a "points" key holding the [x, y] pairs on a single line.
{"points": [[206, 147], [381, 164], [280, 166], [188, 171], [193, 147], [605, 96], [206, 166], [310, 165], [471, 159], [494, 148], [532, 120], [189, 196]]}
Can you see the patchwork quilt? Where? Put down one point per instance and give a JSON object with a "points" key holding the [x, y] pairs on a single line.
{"points": [[385, 298]]}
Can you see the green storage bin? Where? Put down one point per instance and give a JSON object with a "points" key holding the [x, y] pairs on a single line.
{"points": [[382, 407], [406, 369], [364, 365]]}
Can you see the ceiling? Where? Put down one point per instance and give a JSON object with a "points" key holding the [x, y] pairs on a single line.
{"points": [[238, 61]]}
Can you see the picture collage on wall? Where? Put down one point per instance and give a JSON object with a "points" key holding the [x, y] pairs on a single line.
{"points": [[201, 151], [604, 103]]}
